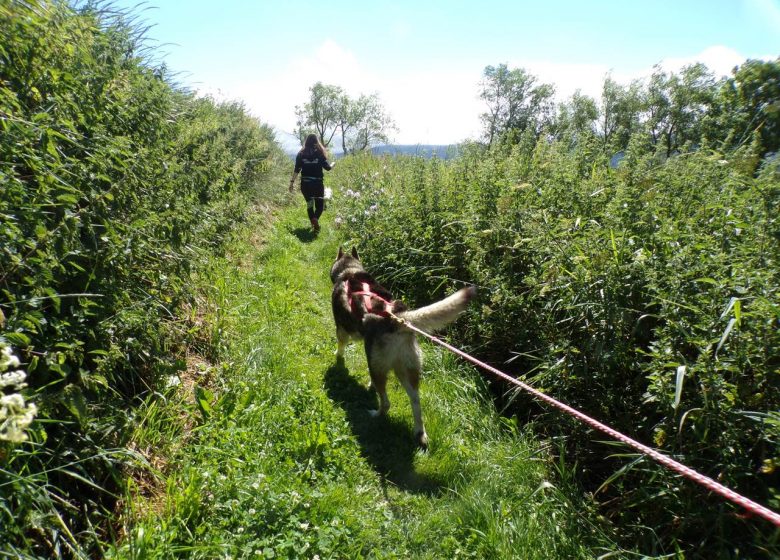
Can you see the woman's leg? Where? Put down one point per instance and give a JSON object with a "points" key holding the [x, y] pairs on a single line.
{"points": [[311, 203], [319, 206]]}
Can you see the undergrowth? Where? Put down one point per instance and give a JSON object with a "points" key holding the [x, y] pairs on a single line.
{"points": [[645, 295], [114, 185]]}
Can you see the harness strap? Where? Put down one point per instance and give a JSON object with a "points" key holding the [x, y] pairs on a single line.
{"points": [[368, 295]]}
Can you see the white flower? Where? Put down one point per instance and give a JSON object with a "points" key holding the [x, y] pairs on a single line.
{"points": [[13, 379], [13, 401], [7, 359]]}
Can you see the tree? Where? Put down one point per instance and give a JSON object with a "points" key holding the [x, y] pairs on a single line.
{"points": [[360, 122], [363, 123], [620, 115], [677, 105], [576, 118], [320, 114], [749, 101], [514, 101]]}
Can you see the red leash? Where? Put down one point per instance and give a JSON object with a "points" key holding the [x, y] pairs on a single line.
{"points": [[668, 462], [712, 485]]}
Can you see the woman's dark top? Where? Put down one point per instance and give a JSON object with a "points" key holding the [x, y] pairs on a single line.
{"points": [[310, 165]]}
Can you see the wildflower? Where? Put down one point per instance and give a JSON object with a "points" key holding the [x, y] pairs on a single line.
{"points": [[15, 415], [15, 418], [13, 379], [7, 359]]}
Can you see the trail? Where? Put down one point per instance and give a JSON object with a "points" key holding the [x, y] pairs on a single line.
{"points": [[288, 463]]}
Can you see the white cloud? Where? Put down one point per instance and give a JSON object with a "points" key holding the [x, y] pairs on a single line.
{"points": [[719, 59], [434, 107]]}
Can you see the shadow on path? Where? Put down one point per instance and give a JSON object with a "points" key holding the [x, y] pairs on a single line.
{"points": [[304, 234], [386, 443]]}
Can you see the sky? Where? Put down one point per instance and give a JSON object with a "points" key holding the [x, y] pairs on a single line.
{"points": [[425, 59]]}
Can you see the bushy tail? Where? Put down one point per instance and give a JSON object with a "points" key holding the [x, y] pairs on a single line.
{"points": [[442, 313]]}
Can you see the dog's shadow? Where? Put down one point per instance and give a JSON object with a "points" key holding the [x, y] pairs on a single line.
{"points": [[304, 234], [387, 444]]}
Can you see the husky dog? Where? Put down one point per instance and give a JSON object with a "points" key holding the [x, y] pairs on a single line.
{"points": [[362, 311]]}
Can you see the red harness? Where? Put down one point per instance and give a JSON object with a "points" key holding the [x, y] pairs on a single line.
{"points": [[368, 295]]}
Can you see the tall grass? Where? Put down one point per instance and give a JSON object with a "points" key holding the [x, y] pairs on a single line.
{"points": [[644, 295]]}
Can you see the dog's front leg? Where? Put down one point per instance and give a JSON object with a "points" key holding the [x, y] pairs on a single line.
{"points": [[410, 380]]}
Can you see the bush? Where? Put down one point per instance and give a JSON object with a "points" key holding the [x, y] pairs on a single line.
{"points": [[645, 295], [114, 184]]}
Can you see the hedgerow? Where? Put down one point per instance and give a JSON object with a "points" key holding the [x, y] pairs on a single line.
{"points": [[645, 295], [114, 184]]}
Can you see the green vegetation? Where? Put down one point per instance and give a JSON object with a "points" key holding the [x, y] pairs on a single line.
{"points": [[167, 385], [114, 185], [286, 461], [645, 294]]}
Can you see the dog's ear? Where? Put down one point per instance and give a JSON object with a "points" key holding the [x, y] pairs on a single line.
{"points": [[341, 252], [354, 253]]}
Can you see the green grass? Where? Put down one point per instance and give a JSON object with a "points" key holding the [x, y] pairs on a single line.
{"points": [[286, 462]]}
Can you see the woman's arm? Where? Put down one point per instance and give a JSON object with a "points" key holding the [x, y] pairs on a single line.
{"points": [[298, 167]]}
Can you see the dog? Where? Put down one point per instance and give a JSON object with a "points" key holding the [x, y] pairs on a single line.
{"points": [[364, 310]]}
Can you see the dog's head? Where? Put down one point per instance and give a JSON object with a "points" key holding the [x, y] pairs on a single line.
{"points": [[345, 262]]}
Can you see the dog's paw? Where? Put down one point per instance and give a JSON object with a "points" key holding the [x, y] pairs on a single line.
{"points": [[422, 440]]}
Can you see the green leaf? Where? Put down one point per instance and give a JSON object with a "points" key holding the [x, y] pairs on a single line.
{"points": [[17, 338], [67, 198], [74, 401], [204, 397]]}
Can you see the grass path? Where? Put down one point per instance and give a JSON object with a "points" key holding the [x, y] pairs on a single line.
{"points": [[287, 463]]}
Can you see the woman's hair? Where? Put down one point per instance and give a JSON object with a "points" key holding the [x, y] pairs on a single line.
{"points": [[313, 144]]}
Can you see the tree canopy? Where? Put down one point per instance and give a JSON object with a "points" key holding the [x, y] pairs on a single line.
{"points": [[331, 113]]}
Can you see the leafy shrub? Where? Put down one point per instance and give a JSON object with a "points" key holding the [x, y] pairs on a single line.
{"points": [[114, 184], [645, 295]]}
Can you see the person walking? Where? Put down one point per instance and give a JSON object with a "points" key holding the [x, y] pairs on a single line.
{"points": [[310, 162]]}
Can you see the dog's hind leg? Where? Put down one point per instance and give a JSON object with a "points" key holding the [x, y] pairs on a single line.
{"points": [[410, 380], [379, 382]]}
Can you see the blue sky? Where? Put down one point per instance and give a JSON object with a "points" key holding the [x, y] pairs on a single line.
{"points": [[425, 58]]}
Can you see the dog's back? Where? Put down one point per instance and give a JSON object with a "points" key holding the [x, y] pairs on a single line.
{"points": [[350, 278]]}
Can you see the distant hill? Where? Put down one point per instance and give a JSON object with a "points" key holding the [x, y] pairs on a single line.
{"points": [[441, 151], [427, 151]]}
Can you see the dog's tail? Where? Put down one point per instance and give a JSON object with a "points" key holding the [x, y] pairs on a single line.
{"points": [[442, 313]]}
